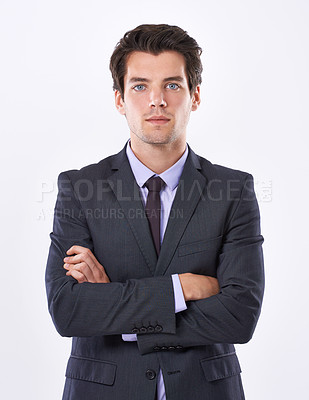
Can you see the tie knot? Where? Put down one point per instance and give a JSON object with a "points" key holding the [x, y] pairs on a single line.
{"points": [[155, 184]]}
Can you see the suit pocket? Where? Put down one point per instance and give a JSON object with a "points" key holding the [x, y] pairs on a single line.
{"points": [[87, 369], [199, 246], [220, 367]]}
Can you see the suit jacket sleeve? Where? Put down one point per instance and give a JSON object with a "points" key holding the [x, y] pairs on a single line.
{"points": [[231, 315], [95, 309]]}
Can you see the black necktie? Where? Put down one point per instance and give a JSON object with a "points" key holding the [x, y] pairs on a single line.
{"points": [[153, 208]]}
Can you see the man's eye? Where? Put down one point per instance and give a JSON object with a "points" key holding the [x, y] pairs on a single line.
{"points": [[173, 86], [139, 88]]}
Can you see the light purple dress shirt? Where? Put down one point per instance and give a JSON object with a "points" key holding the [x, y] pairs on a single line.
{"points": [[171, 177]]}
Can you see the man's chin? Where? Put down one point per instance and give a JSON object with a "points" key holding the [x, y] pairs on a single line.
{"points": [[158, 139], [155, 138]]}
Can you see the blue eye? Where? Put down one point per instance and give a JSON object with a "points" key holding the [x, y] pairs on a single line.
{"points": [[173, 86], [139, 88]]}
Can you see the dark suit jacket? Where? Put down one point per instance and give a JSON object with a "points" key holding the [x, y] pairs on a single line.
{"points": [[213, 229]]}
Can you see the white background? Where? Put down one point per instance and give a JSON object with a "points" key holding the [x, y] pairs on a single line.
{"points": [[57, 113]]}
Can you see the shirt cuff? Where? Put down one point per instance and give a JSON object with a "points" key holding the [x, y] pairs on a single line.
{"points": [[129, 337], [180, 303]]}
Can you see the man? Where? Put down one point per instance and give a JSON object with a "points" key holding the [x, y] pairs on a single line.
{"points": [[155, 265]]}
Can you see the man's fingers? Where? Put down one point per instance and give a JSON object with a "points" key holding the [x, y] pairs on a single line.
{"points": [[88, 258], [75, 259], [83, 260], [81, 250], [196, 287], [82, 254], [82, 257], [214, 287], [77, 275], [76, 249], [82, 268]]}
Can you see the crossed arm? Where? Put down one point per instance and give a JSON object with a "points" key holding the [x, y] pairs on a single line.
{"points": [[82, 265], [100, 307]]}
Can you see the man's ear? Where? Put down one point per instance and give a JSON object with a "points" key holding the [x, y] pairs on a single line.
{"points": [[119, 103], [196, 98]]}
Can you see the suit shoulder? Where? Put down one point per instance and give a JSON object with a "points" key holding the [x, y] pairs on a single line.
{"points": [[216, 171], [99, 170]]}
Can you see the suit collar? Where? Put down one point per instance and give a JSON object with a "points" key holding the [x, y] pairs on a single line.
{"points": [[118, 159], [142, 173]]}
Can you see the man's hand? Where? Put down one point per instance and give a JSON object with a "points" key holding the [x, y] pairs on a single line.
{"points": [[197, 287], [84, 267]]}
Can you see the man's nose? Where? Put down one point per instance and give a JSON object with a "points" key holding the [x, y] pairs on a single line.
{"points": [[157, 99]]}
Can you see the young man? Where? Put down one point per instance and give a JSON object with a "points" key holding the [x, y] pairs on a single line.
{"points": [[155, 265]]}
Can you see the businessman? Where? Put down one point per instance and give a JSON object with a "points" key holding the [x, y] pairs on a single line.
{"points": [[155, 265]]}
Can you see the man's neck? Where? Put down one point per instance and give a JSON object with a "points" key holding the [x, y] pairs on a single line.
{"points": [[158, 157]]}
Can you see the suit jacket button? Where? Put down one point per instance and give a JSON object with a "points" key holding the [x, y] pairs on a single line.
{"points": [[150, 374], [150, 329], [158, 328], [143, 329], [163, 348], [157, 348], [179, 347], [171, 347], [135, 330]]}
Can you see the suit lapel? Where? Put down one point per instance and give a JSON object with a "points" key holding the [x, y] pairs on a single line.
{"points": [[188, 194], [127, 192]]}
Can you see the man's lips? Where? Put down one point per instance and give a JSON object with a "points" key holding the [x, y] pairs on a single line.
{"points": [[158, 120]]}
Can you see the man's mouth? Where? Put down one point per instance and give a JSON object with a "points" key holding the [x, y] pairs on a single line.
{"points": [[158, 120]]}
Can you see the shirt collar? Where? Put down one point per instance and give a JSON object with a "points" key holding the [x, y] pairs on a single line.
{"points": [[142, 173]]}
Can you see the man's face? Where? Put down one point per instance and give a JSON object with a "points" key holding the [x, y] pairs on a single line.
{"points": [[157, 101]]}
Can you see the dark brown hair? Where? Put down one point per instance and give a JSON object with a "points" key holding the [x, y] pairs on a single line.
{"points": [[155, 39]]}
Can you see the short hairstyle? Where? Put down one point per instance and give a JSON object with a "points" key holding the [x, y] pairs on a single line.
{"points": [[155, 39]]}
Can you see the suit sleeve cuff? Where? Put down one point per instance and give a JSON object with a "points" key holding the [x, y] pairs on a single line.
{"points": [[180, 304]]}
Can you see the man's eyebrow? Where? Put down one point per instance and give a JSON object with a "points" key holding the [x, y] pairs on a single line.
{"points": [[177, 78], [174, 78], [138, 79]]}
